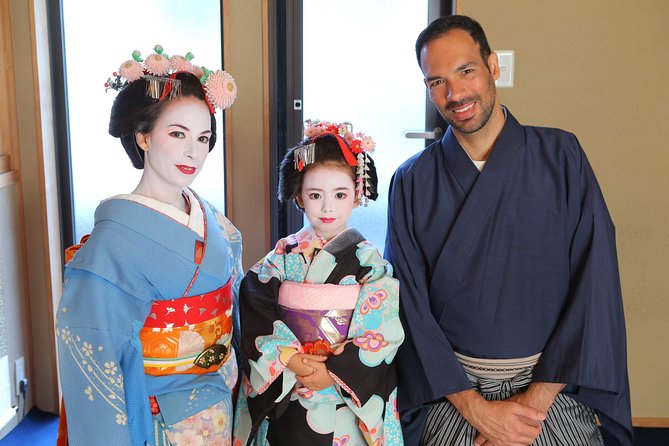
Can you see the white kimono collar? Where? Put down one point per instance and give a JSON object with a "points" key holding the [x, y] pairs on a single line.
{"points": [[193, 221]]}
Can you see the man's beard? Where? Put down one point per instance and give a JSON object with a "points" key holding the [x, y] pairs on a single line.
{"points": [[486, 111]]}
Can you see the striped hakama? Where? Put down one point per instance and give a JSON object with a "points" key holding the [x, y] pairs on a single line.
{"points": [[567, 423]]}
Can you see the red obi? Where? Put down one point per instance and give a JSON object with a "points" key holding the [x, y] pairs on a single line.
{"points": [[188, 335]]}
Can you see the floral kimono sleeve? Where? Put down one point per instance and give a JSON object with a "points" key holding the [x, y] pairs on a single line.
{"points": [[364, 370], [101, 369], [267, 343]]}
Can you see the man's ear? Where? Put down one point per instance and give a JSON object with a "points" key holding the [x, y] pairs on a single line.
{"points": [[142, 140], [493, 65]]}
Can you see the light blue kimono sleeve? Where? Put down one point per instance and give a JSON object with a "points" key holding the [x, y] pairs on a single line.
{"points": [[234, 245], [100, 359]]}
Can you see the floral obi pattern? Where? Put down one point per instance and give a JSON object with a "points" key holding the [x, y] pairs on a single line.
{"points": [[317, 312], [188, 335]]}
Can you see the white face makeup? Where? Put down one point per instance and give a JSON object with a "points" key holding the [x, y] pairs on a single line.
{"points": [[328, 198], [175, 149]]}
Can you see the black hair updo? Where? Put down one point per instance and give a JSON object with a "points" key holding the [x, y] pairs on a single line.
{"points": [[135, 112], [327, 152]]}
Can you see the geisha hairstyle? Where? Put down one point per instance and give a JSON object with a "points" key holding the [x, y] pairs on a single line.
{"points": [[134, 112], [326, 151]]}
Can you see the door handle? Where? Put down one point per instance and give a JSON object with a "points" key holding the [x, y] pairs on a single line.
{"points": [[436, 133]]}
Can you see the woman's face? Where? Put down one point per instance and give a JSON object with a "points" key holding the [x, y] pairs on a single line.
{"points": [[328, 197], [176, 148]]}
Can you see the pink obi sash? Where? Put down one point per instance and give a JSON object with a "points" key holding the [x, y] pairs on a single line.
{"points": [[318, 311], [188, 335]]}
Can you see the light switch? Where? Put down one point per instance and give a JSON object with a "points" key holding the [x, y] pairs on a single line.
{"points": [[505, 68]]}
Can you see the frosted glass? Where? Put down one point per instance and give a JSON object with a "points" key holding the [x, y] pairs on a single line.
{"points": [[97, 41], [360, 66]]}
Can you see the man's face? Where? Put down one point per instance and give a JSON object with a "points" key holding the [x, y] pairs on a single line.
{"points": [[461, 84]]}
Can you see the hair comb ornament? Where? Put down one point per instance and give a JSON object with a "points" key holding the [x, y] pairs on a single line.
{"points": [[304, 155], [354, 146], [160, 70]]}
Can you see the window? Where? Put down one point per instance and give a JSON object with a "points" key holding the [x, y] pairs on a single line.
{"points": [[359, 65], [96, 40]]}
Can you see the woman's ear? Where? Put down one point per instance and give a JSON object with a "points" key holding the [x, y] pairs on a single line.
{"points": [[142, 140], [299, 201]]}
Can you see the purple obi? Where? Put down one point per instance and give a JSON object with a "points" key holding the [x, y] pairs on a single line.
{"points": [[318, 311]]}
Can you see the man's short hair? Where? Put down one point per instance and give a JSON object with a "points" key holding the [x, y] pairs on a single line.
{"points": [[443, 25]]}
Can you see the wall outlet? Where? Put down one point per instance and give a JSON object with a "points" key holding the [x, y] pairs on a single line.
{"points": [[19, 374]]}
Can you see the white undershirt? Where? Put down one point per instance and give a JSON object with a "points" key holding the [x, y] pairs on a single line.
{"points": [[479, 164]]}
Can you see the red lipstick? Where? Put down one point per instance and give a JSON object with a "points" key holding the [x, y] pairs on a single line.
{"points": [[187, 170]]}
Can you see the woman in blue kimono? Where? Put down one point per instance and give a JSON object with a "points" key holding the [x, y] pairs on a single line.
{"points": [[148, 312], [320, 312]]}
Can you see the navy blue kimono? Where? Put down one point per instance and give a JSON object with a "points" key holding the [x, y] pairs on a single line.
{"points": [[506, 263]]}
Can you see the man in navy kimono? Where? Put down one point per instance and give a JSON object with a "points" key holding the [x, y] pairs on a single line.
{"points": [[505, 251]]}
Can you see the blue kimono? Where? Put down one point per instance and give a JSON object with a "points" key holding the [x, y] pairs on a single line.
{"points": [[137, 255], [516, 260]]}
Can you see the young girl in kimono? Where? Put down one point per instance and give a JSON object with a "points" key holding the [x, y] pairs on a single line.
{"points": [[147, 315], [319, 313]]}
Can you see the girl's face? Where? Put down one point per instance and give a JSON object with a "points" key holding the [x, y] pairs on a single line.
{"points": [[176, 147], [328, 198]]}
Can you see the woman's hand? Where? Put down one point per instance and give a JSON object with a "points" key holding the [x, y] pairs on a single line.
{"points": [[299, 367], [320, 378]]}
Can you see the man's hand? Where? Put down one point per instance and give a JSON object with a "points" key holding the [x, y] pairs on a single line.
{"points": [[498, 422], [320, 379], [539, 395]]}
